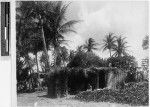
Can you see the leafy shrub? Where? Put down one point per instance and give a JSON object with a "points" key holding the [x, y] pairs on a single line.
{"points": [[127, 63], [133, 94], [124, 62], [136, 93], [84, 60]]}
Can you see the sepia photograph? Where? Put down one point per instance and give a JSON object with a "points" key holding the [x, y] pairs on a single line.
{"points": [[82, 53]]}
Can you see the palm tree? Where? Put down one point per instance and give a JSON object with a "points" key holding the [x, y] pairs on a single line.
{"points": [[22, 12], [109, 42], [121, 47], [28, 38], [60, 26], [21, 20], [40, 15], [49, 19], [145, 43], [79, 49], [90, 45]]}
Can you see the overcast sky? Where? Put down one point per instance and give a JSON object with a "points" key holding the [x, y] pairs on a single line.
{"points": [[126, 18]]}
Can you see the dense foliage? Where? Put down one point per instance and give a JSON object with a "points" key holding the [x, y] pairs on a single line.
{"points": [[85, 60], [133, 94], [125, 62], [41, 24]]}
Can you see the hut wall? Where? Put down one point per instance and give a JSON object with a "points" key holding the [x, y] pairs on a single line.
{"points": [[115, 79], [110, 79]]}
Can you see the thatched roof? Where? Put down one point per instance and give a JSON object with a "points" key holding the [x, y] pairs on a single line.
{"points": [[99, 69], [68, 70], [103, 68]]}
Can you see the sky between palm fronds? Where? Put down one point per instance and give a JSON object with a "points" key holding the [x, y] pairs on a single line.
{"points": [[127, 18]]}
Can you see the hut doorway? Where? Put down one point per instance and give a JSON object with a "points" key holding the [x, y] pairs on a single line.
{"points": [[102, 79]]}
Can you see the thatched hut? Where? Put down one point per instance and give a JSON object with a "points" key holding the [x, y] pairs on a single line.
{"points": [[74, 80], [111, 76]]}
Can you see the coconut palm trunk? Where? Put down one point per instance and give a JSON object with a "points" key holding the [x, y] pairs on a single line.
{"points": [[50, 83], [45, 50], [56, 65]]}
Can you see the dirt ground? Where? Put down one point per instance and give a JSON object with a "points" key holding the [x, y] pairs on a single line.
{"points": [[39, 99]]}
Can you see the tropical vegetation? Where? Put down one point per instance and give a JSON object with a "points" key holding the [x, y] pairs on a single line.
{"points": [[41, 49], [90, 45], [109, 42]]}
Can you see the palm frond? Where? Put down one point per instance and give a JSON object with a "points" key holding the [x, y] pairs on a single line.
{"points": [[109, 41], [105, 48], [67, 31], [69, 24], [62, 14]]}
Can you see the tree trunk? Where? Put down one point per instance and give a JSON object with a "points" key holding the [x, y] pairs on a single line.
{"points": [[51, 86], [38, 76], [56, 65], [55, 57], [45, 51], [50, 82], [37, 64]]}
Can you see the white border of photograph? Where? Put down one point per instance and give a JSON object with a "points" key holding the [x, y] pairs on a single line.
{"points": [[13, 55]]}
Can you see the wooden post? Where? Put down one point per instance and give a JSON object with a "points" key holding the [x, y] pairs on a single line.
{"points": [[97, 80], [105, 79]]}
